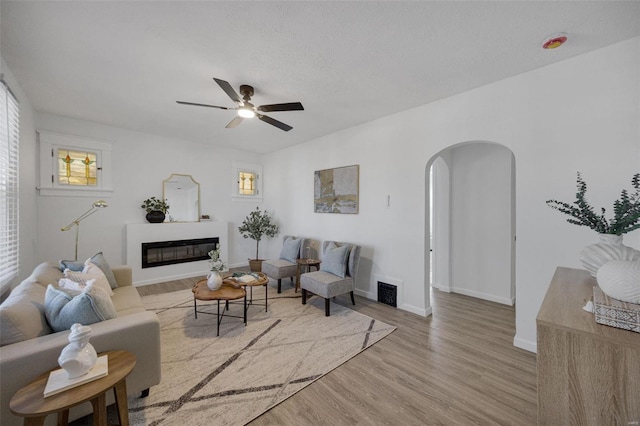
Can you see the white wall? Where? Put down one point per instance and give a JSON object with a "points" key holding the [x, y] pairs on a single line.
{"points": [[140, 162], [481, 233], [27, 180], [579, 114], [441, 243]]}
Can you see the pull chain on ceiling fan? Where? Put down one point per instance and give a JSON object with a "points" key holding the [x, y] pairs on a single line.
{"points": [[246, 109]]}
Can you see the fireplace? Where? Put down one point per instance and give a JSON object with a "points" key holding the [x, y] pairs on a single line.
{"points": [[177, 251]]}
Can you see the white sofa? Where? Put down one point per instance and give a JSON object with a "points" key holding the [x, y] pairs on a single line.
{"points": [[30, 347]]}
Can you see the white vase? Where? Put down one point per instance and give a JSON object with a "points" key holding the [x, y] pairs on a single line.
{"points": [[214, 280], [620, 279], [609, 248], [79, 356]]}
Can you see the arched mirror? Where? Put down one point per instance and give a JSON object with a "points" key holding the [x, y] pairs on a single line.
{"points": [[183, 196]]}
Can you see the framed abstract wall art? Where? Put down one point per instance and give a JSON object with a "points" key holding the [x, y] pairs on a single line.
{"points": [[336, 190]]}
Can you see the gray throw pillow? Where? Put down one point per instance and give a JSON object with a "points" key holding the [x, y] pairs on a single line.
{"points": [[100, 261], [291, 249], [335, 259], [72, 265], [65, 308]]}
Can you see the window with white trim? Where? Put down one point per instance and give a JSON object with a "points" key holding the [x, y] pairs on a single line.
{"points": [[71, 165], [9, 195], [247, 181]]}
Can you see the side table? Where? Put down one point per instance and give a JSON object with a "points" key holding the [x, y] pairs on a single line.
{"points": [[305, 264], [262, 280], [30, 403], [226, 292]]}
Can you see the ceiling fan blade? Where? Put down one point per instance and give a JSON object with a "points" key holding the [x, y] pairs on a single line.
{"points": [[202, 105], [291, 106], [234, 123], [224, 85], [274, 122]]}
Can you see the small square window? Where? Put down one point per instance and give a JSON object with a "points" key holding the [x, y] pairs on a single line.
{"points": [[247, 181], [77, 167], [71, 165]]}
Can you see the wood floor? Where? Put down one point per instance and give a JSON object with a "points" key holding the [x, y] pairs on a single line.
{"points": [[456, 367]]}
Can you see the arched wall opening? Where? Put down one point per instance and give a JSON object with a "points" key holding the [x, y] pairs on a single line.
{"points": [[472, 243]]}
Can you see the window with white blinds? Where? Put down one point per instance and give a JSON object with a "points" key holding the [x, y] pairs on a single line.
{"points": [[9, 137]]}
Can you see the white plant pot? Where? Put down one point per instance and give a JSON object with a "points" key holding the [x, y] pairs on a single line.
{"points": [[609, 248], [214, 280], [620, 279]]}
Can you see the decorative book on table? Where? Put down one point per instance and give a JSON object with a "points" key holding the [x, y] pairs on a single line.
{"points": [[59, 379], [244, 277], [614, 312]]}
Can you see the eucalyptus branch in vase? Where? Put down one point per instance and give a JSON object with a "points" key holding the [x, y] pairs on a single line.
{"points": [[626, 210], [626, 218]]}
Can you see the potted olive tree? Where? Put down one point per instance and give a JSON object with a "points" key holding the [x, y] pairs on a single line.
{"points": [[256, 225]]}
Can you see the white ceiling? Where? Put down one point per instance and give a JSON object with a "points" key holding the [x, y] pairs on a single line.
{"points": [[125, 63]]}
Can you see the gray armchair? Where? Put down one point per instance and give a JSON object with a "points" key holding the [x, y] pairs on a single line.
{"points": [[285, 266], [337, 274]]}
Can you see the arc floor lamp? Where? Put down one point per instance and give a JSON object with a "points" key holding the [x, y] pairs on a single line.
{"points": [[100, 204]]}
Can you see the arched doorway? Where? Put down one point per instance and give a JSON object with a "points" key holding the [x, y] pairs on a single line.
{"points": [[471, 221]]}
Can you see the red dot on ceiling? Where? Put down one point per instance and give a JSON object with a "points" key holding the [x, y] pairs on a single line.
{"points": [[554, 42]]}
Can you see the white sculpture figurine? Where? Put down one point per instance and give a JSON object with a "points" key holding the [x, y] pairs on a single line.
{"points": [[79, 356]]}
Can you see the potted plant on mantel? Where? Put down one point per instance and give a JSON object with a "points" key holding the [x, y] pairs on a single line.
{"points": [[626, 218], [256, 225], [156, 209]]}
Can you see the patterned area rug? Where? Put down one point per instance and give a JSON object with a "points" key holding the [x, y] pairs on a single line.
{"points": [[233, 378]]}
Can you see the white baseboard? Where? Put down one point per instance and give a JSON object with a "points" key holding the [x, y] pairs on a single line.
{"points": [[182, 276], [404, 306], [527, 345], [483, 296], [415, 310], [443, 288], [169, 278], [366, 294]]}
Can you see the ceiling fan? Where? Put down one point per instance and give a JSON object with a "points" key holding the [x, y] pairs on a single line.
{"points": [[247, 110]]}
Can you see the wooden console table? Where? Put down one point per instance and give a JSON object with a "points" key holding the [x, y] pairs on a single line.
{"points": [[588, 373]]}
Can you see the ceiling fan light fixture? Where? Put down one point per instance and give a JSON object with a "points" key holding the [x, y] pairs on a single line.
{"points": [[246, 112]]}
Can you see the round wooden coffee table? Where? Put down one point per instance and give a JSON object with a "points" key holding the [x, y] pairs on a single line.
{"points": [[30, 403], [228, 291]]}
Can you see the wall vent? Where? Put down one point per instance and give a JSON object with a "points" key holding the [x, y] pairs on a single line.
{"points": [[388, 294]]}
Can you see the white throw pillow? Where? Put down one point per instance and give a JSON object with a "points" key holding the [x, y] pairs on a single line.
{"points": [[72, 286], [90, 273]]}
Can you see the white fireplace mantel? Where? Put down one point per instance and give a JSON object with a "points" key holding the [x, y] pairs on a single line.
{"points": [[138, 233]]}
